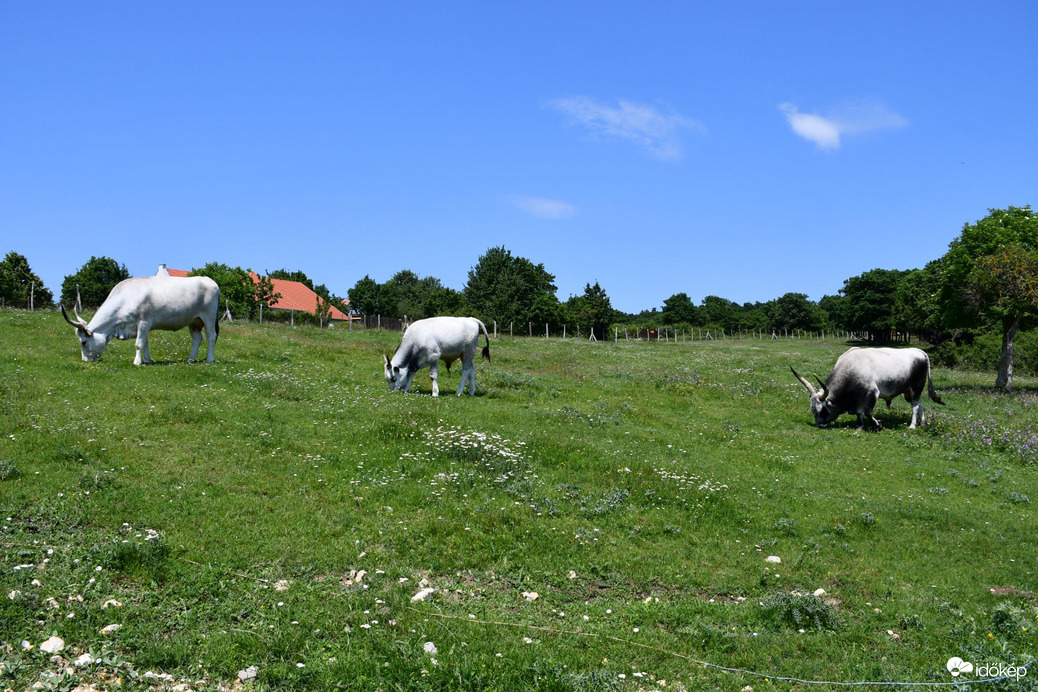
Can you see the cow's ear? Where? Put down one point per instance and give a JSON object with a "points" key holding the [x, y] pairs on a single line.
{"points": [[386, 357]]}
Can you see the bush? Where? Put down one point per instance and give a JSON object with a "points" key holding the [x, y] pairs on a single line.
{"points": [[800, 611], [984, 352]]}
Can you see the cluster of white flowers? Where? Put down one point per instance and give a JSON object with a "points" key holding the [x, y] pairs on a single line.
{"points": [[691, 481]]}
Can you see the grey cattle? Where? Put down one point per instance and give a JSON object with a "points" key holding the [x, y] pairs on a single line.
{"points": [[136, 306], [862, 376], [427, 342]]}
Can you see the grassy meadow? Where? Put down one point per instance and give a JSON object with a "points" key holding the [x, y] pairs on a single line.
{"points": [[600, 516]]}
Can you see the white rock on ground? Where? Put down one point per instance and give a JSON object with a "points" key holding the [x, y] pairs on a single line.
{"points": [[53, 645]]}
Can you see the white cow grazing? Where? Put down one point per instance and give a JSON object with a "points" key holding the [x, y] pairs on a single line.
{"points": [[136, 306], [427, 342]]}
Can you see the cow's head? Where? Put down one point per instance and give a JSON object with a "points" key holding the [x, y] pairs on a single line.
{"points": [[91, 344], [397, 376], [822, 409]]}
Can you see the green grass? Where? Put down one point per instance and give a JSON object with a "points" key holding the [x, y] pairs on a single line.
{"points": [[280, 508]]}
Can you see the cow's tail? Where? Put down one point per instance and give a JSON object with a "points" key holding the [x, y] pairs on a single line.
{"points": [[486, 349], [930, 391]]}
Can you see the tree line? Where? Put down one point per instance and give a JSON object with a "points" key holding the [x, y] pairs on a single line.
{"points": [[985, 284]]}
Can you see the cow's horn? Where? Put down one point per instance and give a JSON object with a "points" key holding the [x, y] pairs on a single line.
{"points": [[67, 318], [807, 384], [81, 324], [825, 390]]}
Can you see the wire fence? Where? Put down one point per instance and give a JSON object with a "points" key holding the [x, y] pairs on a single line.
{"points": [[662, 333]]}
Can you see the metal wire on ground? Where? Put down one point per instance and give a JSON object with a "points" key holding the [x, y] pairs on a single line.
{"points": [[728, 669]]}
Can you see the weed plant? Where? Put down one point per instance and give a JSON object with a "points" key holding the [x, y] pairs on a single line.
{"points": [[600, 516]]}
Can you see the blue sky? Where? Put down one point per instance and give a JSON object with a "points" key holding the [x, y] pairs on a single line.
{"points": [[743, 149]]}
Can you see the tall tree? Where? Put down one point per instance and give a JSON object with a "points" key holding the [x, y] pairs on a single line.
{"points": [[266, 296], [95, 280], [870, 302], [916, 307], [592, 309], [719, 313], [366, 296], [405, 291], [237, 290], [989, 278], [795, 311], [509, 289], [835, 308], [19, 285], [679, 309]]}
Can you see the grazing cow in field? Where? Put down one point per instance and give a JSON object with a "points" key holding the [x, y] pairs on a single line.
{"points": [[136, 306], [429, 341], [862, 376]]}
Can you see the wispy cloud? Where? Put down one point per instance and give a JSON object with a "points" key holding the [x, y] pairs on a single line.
{"points": [[544, 208], [826, 131], [657, 133]]}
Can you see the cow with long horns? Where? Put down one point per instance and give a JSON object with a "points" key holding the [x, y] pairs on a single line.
{"points": [[863, 376], [136, 306]]}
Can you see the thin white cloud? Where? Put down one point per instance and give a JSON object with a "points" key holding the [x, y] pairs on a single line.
{"points": [[544, 208], [657, 133], [826, 131]]}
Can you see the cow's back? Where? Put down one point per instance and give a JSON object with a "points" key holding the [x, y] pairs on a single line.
{"points": [[891, 370], [446, 335], [167, 302]]}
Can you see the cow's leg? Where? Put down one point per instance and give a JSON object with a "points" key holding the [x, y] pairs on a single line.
{"points": [[196, 341], [468, 371], [917, 413], [143, 355], [871, 399], [433, 365], [210, 340]]}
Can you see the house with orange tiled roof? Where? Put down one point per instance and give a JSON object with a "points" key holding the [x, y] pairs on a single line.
{"points": [[295, 295]]}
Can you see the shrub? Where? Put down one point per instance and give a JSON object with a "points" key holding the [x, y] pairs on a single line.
{"points": [[800, 611], [8, 470]]}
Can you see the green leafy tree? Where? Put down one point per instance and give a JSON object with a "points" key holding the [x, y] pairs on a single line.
{"points": [[19, 285], [95, 280], [916, 305], [323, 311], [444, 301], [366, 297], [679, 309], [835, 309], [266, 296], [509, 289], [237, 290], [406, 291], [719, 313], [988, 278], [755, 316], [592, 309], [870, 302], [794, 311]]}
